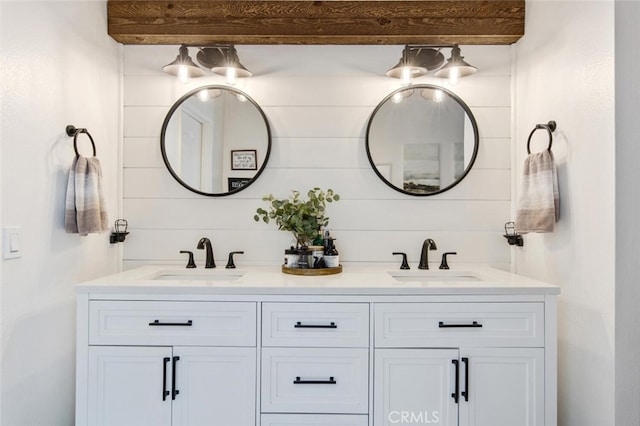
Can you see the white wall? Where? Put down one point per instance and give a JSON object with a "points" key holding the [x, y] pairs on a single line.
{"points": [[59, 67], [565, 72], [627, 16], [318, 100]]}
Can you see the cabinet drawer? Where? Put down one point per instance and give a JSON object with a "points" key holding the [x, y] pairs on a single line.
{"points": [[315, 324], [420, 325], [313, 420], [172, 323], [315, 380]]}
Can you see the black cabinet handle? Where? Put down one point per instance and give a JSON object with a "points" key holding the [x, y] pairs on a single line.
{"points": [[474, 324], [331, 381], [456, 392], [171, 324], [465, 392], [174, 391], [301, 325], [165, 392]]}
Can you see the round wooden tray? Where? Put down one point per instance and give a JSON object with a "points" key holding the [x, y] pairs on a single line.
{"points": [[312, 272]]}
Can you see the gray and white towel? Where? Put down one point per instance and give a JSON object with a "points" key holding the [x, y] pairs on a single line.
{"points": [[85, 209], [539, 204]]}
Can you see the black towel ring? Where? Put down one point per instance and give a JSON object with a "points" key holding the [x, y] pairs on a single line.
{"points": [[74, 131], [550, 127]]}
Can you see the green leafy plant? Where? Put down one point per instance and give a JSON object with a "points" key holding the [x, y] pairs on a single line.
{"points": [[303, 218]]}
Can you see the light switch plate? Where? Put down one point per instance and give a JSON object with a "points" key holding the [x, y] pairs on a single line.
{"points": [[11, 244]]}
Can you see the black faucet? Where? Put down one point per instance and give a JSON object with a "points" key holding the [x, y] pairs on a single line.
{"points": [[428, 244], [230, 264], [405, 264], [206, 243], [190, 263]]}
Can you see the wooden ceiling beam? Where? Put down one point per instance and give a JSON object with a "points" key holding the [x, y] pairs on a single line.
{"points": [[201, 22]]}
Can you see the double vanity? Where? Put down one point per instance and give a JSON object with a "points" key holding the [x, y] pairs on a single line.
{"points": [[164, 345]]}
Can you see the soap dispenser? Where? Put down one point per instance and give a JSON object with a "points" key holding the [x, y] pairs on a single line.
{"points": [[331, 258]]}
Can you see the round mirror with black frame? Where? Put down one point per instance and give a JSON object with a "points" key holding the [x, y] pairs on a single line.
{"points": [[215, 140], [422, 140]]}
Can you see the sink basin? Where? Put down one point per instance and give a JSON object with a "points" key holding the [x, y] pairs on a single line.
{"points": [[435, 275], [200, 275]]}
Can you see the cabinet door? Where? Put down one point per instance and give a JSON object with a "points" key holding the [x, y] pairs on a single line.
{"points": [[415, 386], [505, 387], [217, 386], [126, 386]]}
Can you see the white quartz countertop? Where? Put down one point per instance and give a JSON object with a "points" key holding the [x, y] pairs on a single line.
{"points": [[354, 280]]}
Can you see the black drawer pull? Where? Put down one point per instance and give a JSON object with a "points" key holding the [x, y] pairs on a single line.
{"points": [[331, 381], [472, 325], [174, 391], [165, 392], [301, 325], [456, 393], [171, 324], [465, 392]]}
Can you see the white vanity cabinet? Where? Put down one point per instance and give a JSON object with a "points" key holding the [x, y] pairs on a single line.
{"points": [[460, 364], [357, 349], [168, 363], [158, 386], [315, 361]]}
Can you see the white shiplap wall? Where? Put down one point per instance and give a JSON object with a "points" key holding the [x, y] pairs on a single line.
{"points": [[318, 100]]}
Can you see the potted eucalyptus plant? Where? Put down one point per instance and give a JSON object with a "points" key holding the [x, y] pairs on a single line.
{"points": [[303, 218]]}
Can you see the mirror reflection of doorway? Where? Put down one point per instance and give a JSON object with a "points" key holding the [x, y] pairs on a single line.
{"points": [[191, 150]]}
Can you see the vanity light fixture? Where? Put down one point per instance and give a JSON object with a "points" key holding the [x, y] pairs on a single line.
{"points": [[219, 59], [205, 94], [418, 60], [228, 64], [456, 67], [183, 66], [400, 96], [435, 95]]}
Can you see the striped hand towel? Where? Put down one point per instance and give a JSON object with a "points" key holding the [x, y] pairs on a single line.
{"points": [[539, 204], [85, 209]]}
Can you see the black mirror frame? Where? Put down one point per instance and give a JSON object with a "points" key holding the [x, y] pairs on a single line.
{"points": [[177, 104], [466, 109]]}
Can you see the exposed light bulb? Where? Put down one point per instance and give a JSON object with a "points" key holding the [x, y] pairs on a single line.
{"points": [[406, 76], [231, 76], [203, 95], [397, 98], [183, 73], [454, 76], [241, 98], [438, 95]]}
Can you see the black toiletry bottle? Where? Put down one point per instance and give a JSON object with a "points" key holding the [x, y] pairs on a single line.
{"points": [[331, 258]]}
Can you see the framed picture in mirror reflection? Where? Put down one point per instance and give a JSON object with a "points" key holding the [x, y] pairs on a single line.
{"points": [[244, 159], [237, 183], [421, 171]]}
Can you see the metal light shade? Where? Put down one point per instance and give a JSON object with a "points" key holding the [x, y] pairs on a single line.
{"points": [[456, 62], [407, 62], [231, 60], [183, 61], [396, 71]]}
